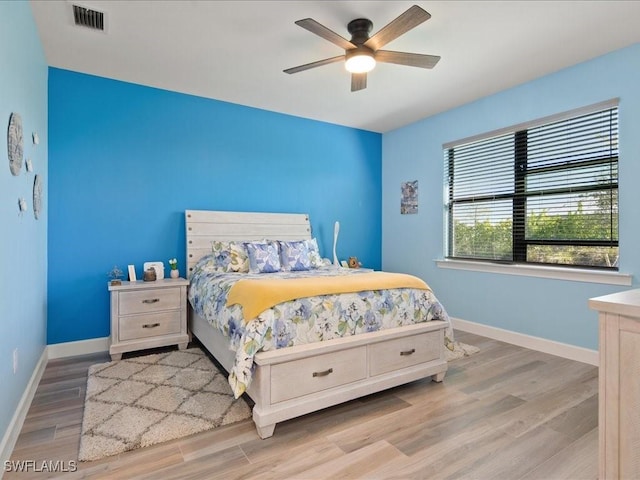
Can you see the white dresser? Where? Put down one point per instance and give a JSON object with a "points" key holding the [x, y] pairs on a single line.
{"points": [[619, 391], [148, 315]]}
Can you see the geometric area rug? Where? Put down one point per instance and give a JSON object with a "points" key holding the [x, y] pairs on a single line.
{"points": [[141, 401]]}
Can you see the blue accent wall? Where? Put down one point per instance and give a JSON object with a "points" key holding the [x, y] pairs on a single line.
{"points": [[23, 242], [127, 160], [551, 309]]}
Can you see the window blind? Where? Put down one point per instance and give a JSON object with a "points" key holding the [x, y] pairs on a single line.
{"points": [[545, 193]]}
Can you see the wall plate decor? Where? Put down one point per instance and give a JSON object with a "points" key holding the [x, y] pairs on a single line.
{"points": [[15, 145], [28, 165], [22, 205], [37, 196]]}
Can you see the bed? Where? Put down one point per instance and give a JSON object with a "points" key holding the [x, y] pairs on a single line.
{"points": [[295, 380]]}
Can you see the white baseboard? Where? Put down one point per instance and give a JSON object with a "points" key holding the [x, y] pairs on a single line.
{"points": [[552, 347], [81, 347], [15, 426]]}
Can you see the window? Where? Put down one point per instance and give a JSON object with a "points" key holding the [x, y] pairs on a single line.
{"points": [[545, 192]]}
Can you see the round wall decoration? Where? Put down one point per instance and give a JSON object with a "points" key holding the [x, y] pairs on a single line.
{"points": [[15, 145], [37, 196]]}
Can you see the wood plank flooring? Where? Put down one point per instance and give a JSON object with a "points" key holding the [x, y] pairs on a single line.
{"points": [[505, 413]]}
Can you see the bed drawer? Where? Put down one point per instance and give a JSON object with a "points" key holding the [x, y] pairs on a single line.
{"points": [[300, 377], [152, 300], [143, 326], [404, 352]]}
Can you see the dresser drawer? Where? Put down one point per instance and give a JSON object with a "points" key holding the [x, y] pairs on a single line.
{"points": [[149, 300], [142, 326], [309, 375], [404, 352]]}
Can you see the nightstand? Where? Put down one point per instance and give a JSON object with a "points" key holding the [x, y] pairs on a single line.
{"points": [[148, 315]]}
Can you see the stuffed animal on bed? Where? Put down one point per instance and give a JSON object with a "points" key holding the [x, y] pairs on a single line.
{"points": [[353, 262]]}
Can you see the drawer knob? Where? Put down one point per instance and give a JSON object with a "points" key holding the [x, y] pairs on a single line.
{"points": [[407, 352], [323, 373], [150, 325], [151, 300]]}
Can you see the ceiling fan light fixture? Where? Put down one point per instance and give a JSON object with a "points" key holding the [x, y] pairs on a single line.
{"points": [[360, 62]]}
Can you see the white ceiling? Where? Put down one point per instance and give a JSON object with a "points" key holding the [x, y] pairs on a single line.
{"points": [[235, 51]]}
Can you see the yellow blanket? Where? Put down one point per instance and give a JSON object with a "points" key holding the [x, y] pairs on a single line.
{"points": [[257, 295]]}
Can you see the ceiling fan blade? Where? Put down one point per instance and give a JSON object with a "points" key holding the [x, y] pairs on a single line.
{"points": [[404, 58], [322, 31], [402, 24], [358, 81], [319, 63]]}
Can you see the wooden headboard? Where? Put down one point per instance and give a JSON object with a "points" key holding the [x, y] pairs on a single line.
{"points": [[203, 226]]}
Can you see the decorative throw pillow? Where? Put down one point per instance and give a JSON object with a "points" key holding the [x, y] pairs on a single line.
{"points": [[264, 257], [230, 256], [294, 256], [314, 253], [207, 264]]}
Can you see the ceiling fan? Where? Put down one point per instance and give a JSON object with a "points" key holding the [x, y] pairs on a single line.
{"points": [[362, 52]]}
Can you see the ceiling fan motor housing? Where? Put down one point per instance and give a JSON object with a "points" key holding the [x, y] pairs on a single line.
{"points": [[360, 28]]}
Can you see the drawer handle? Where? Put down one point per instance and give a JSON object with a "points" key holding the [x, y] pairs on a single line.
{"points": [[407, 352], [150, 325], [151, 300], [323, 374]]}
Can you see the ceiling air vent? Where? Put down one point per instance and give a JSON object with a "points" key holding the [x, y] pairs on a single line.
{"points": [[86, 17]]}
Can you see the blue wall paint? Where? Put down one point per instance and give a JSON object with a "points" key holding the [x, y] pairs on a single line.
{"points": [[23, 242], [551, 309], [127, 160]]}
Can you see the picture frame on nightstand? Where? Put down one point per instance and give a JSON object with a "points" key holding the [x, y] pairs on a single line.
{"points": [[132, 273]]}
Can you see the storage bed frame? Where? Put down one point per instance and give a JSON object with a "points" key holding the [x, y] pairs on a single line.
{"points": [[297, 380]]}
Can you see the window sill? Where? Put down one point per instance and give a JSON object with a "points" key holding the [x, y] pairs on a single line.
{"points": [[542, 271]]}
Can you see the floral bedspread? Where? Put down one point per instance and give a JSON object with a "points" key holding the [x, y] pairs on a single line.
{"points": [[304, 320]]}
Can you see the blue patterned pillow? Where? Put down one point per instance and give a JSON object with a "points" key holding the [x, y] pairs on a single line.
{"points": [[295, 256], [264, 257], [230, 256], [207, 264], [314, 253]]}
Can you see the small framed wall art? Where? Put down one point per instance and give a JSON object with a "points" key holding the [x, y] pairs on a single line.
{"points": [[409, 197]]}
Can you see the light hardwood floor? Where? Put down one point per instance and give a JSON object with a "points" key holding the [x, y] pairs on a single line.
{"points": [[504, 413]]}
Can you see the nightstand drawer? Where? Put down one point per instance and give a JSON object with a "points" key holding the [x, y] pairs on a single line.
{"points": [[149, 300], [142, 326]]}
